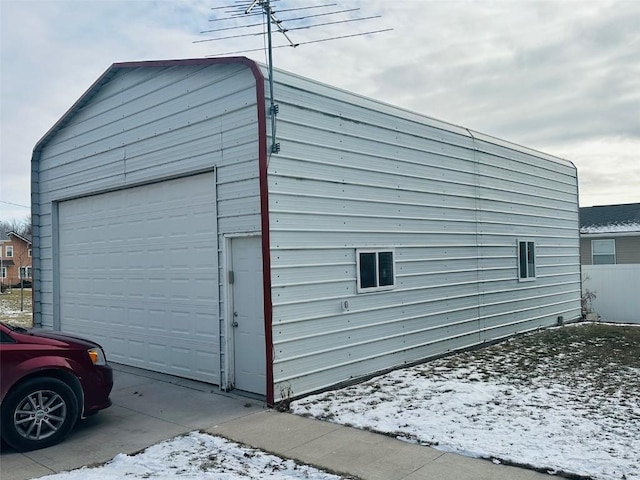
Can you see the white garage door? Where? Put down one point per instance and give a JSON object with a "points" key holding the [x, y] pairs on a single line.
{"points": [[138, 273]]}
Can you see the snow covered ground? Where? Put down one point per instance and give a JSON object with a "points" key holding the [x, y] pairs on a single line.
{"points": [[564, 400], [197, 456], [15, 307]]}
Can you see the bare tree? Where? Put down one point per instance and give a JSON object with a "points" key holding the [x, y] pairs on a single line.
{"points": [[21, 227], [28, 227], [23, 262]]}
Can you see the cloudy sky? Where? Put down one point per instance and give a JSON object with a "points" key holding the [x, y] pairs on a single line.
{"points": [[559, 76]]}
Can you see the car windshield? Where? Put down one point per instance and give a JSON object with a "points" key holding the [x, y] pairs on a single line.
{"points": [[14, 328]]}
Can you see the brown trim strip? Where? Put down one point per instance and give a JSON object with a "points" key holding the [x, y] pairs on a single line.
{"points": [[263, 165]]}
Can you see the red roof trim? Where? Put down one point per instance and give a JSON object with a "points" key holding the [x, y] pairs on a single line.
{"points": [[190, 61], [263, 165]]}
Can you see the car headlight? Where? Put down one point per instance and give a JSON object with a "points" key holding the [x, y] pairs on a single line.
{"points": [[97, 356]]}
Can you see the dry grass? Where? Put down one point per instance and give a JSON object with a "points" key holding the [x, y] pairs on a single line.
{"points": [[603, 357], [15, 307]]}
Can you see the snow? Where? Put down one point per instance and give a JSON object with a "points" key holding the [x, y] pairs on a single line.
{"points": [[10, 310], [475, 409], [611, 228], [197, 456]]}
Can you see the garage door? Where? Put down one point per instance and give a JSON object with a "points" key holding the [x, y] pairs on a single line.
{"points": [[138, 273]]}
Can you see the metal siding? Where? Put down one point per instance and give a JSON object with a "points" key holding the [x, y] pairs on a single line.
{"points": [[148, 124], [354, 173]]}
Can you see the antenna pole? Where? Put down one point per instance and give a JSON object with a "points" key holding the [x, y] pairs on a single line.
{"points": [[246, 7], [273, 110]]}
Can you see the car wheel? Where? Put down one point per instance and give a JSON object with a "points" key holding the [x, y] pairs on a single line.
{"points": [[39, 413]]}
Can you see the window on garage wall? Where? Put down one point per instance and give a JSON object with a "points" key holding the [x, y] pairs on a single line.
{"points": [[526, 260], [376, 270]]}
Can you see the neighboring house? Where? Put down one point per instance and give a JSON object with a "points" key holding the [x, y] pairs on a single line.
{"points": [[167, 229], [610, 234], [610, 257], [15, 260]]}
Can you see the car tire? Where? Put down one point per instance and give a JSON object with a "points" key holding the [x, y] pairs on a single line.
{"points": [[38, 413]]}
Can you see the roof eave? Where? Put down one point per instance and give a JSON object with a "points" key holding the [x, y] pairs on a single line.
{"points": [[610, 234], [24, 239]]}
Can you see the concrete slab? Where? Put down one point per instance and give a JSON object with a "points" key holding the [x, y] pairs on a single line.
{"points": [[378, 457], [455, 467], [273, 431], [14, 466], [181, 405], [359, 453]]}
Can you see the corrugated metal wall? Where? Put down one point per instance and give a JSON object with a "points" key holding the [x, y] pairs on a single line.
{"points": [[148, 124], [354, 173]]}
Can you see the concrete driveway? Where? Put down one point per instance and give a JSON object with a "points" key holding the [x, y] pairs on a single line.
{"points": [[147, 408]]}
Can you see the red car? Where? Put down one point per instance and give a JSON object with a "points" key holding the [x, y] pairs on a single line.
{"points": [[48, 380]]}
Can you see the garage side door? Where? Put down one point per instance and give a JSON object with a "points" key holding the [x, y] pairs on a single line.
{"points": [[138, 272]]}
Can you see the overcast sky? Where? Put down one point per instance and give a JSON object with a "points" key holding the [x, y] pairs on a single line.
{"points": [[559, 76]]}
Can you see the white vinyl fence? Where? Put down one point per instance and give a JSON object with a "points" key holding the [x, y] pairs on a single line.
{"points": [[617, 289]]}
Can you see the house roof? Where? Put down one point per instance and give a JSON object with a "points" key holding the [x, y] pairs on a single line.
{"points": [[21, 237], [623, 218]]}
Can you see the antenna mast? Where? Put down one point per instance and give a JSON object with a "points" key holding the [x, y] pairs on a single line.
{"points": [[246, 8], [273, 108]]}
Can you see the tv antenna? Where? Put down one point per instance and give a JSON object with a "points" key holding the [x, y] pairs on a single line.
{"points": [[298, 18]]}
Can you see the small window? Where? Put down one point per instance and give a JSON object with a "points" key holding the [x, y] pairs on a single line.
{"points": [[603, 252], [376, 270], [526, 261], [25, 272], [30, 253], [9, 251]]}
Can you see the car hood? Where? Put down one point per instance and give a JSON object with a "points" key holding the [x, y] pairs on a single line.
{"points": [[59, 336]]}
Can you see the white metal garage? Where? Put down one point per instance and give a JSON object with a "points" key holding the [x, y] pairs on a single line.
{"points": [[138, 272], [375, 237]]}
